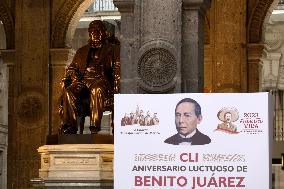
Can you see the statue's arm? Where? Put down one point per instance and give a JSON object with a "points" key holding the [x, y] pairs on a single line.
{"points": [[116, 69], [69, 76], [70, 73]]}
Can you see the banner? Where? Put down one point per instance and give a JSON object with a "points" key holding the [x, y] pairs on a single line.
{"points": [[192, 141]]}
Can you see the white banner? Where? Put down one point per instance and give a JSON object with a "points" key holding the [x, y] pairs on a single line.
{"points": [[192, 141]]}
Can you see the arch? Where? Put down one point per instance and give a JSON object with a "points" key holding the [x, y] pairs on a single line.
{"points": [[270, 77], [207, 29], [256, 20], [66, 20], [2, 36], [9, 27]]}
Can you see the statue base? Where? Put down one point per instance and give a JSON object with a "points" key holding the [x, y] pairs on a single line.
{"points": [[40, 183], [75, 166], [79, 139]]}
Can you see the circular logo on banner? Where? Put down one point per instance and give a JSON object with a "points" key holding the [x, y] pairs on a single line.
{"points": [[157, 67]]}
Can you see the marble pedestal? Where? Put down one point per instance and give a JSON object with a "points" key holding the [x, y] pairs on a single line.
{"points": [[75, 166]]}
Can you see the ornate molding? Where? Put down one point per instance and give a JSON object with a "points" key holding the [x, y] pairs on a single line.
{"points": [[201, 5], [256, 20], [254, 52], [8, 56], [157, 67], [270, 67], [63, 19], [9, 26], [273, 38], [124, 5]]}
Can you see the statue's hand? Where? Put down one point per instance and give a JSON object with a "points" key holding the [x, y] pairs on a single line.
{"points": [[66, 81], [70, 76]]}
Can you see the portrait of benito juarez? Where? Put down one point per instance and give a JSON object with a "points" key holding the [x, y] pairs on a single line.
{"points": [[187, 117]]}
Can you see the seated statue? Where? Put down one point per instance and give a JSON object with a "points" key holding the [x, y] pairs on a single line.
{"points": [[90, 81]]}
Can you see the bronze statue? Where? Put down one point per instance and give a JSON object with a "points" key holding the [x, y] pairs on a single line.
{"points": [[90, 81]]}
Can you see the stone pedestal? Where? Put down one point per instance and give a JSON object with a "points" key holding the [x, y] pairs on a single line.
{"points": [[68, 184], [75, 166]]}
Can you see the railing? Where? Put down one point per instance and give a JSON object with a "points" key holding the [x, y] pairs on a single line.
{"points": [[278, 126], [102, 5]]}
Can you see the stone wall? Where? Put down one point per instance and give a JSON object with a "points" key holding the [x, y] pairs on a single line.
{"points": [[3, 123], [28, 112], [226, 58]]}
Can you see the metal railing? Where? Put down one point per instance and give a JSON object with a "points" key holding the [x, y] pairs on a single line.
{"points": [[102, 5]]}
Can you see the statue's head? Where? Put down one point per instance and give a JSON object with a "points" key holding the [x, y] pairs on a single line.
{"points": [[97, 33]]}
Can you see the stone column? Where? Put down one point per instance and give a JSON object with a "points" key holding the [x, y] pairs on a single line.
{"points": [[128, 76], [2, 36], [254, 56], [192, 68], [228, 45], [162, 48], [59, 59], [8, 58], [29, 128], [151, 52], [270, 67]]}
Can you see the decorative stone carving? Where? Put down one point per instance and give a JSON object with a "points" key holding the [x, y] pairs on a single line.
{"points": [[273, 38], [157, 67], [75, 20], [256, 20], [8, 22], [30, 108], [267, 20], [270, 70], [272, 65], [64, 18]]}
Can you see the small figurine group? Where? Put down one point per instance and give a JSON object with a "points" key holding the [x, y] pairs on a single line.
{"points": [[138, 118]]}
